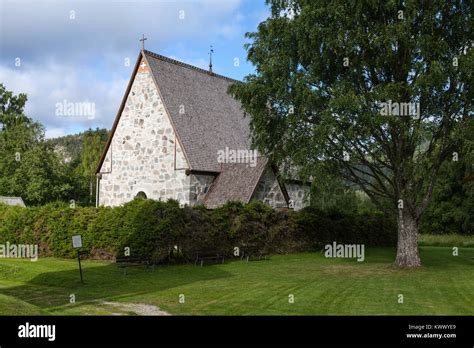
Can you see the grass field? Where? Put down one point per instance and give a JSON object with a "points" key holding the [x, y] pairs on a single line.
{"points": [[320, 286], [446, 240]]}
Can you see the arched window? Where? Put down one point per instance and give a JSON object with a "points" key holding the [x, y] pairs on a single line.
{"points": [[140, 195]]}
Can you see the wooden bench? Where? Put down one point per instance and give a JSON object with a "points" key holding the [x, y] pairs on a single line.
{"points": [[127, 261], [208, 256]]}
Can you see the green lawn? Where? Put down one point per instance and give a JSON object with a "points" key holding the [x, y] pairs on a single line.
{"points": [[445, 240], [443, 286]]}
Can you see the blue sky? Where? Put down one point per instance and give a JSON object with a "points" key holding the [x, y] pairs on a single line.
{"points": [[76, 51]]}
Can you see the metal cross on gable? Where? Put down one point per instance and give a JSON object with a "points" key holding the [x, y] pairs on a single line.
{"points": [[143, 41]]}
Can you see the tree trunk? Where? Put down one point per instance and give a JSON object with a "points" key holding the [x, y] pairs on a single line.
{"points": [[407, 248]]}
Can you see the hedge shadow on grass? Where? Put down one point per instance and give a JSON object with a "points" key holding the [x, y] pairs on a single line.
{"points": [[53, 289]]}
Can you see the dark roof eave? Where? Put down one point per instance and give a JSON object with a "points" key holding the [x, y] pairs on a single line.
{"points": [[201, 172]]}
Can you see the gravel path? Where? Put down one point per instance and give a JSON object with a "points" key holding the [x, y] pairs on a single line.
{"points": [[138, 308]]}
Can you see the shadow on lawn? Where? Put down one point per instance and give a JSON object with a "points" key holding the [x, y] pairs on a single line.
{"points": [[106, 282]]}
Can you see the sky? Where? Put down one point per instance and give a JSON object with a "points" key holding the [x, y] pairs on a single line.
{"points": [[83, 52]]}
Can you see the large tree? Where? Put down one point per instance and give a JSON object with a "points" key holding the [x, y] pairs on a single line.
{"points": [[329, 78], [29, 167]]}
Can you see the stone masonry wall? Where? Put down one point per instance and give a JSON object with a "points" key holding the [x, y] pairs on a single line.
{"points": [[141, 156], [299, 194], [268, 190], [199, 186]]}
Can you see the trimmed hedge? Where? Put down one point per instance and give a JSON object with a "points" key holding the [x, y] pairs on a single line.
{"points": [[159, 229]]}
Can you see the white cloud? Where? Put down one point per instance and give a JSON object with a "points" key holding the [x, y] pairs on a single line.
{"points": [[38, 29], [82, 59], [52, 83]]}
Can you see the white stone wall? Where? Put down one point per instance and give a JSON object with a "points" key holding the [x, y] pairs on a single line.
{"points": [[268, 190], [141, 156], [299, 194], [199, 186]]}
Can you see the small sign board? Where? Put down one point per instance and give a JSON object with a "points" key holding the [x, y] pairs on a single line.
{"points": [[77, 241]]}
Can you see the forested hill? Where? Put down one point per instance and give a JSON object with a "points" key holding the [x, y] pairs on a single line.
{"points": [[69, 147]]}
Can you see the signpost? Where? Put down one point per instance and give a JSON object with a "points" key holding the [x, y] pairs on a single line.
{"points": [[77, 244]]}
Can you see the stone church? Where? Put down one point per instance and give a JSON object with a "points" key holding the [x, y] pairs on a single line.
{"points": [[178, 134]]}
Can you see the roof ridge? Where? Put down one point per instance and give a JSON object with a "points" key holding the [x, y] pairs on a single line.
{"points": [[186, 65]]}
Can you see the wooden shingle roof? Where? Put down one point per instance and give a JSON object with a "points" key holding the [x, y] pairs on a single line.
{"points": [[206, 118], [236, 182]]}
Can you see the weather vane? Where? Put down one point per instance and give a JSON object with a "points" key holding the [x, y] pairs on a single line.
{"points": [[210, 58]]}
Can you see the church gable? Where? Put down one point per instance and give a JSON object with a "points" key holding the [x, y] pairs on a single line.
{"points": [[166, 139], [206, 117], [144, 154], [269, 190]]}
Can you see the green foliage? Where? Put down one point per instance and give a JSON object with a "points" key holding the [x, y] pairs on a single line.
{"points": [[93, 143], [79, 155], [160, 230], [330, 193], [323, 69], [12, 219], [319, 227], [39, 170], [39, 177], [29, 168], [451, 209], [11, 108], [452, 206], [150, 228]]}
